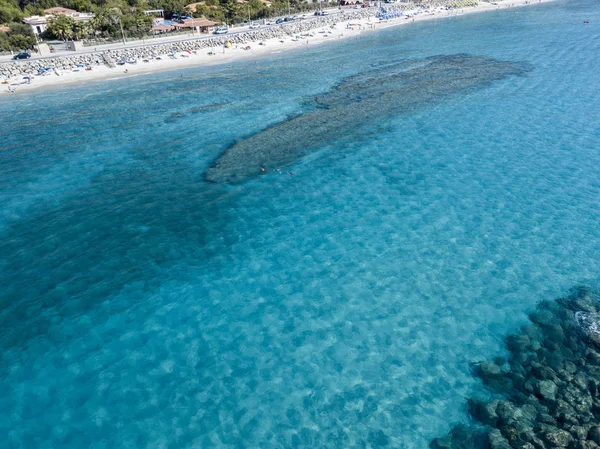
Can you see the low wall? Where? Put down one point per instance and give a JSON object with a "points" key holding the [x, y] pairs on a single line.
{"points": [[91, 59]]}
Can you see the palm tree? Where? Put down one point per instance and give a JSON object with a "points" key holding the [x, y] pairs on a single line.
{"points": [[61, 27], [81, 29]]}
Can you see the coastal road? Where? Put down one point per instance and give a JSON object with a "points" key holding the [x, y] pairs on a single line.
{"points": [[167, 40]]}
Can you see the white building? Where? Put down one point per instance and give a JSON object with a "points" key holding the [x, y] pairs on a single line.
{"points": [[39, 24]]}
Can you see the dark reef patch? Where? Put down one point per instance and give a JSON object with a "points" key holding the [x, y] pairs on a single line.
{"points": [[358, 101], [547, 395]]}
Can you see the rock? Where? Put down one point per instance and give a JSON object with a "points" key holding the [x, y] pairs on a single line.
{"points": [[509, 413], [585, 444], [520, 444], [542, 317], [565, 413], [529, 386], [593, 387], [531, 437], [584, 300], [489, 370], [546, 419], [517, 379], [496, 440], [518, 343], [546, 389], [582, 403], [593, 356], [555, 333], [558, 438], [594, 434], [441, 443], [554, 400], [589, 325], [579, 432], [484, 412]]}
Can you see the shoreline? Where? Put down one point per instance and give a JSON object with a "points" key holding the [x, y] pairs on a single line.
{"points": [[209, 56]]}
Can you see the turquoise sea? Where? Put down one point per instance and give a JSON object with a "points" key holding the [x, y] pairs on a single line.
{"points": [[341, 306]]}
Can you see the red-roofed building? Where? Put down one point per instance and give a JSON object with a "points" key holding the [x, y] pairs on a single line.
{"points": [[201, 24]]}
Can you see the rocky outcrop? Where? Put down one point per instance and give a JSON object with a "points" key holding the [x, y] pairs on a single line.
{"points": [[548, 392]]}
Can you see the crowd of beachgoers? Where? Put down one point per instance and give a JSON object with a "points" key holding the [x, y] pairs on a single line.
{"points": [[98, 63]]}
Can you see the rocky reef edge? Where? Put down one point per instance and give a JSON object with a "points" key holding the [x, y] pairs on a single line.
{"points": [[547, 393]]}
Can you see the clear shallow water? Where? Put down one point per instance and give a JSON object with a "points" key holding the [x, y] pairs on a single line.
{"points": [[339, 307]]}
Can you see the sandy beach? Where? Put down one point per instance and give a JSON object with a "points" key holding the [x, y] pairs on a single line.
{"points": [[221, 55]]}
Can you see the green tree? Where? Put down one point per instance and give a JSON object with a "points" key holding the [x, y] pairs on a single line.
{"points": [[81, 29], [137, 25], [10, 12], [171, 6], [32, 10], [21, 37], [21, 28], [61, 27], [80, 5], [45, 4], [20, 42], [4, 42], [106, 21], [211, 12], [231, 10]]}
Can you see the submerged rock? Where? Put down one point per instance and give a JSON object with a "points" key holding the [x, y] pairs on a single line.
{"points": [[394, 89], [558, 438], [554, 375], [546, 389], [589, 324], [594, 434], [496, 440]]}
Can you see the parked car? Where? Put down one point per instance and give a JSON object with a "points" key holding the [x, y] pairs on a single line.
{"points": [[22, 55], [221, 30], [278, 21]]}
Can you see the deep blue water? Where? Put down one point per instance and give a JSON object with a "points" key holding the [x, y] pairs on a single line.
{"points": [[338, 307]]}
